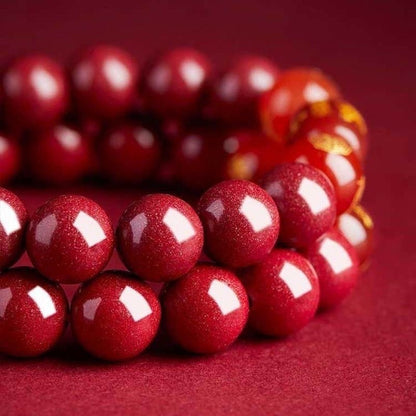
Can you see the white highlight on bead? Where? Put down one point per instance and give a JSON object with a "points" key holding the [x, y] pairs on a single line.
{"points": [[341, 167], [69, 139], [192, 73], [89, 308], [45, 229], [5, 296], [8, 218], [314, 196], [314, 92], [261, 80], [216, 208], [352, 229], [43, 300], [44, 83], [116, 73], [256, 213], [135, 303], [159, 78], [83, 75], [137, 225], [297, 282], [89, 228], [336, 255], [348, 135], [179, 225], [228, 88], [144, 138], [224, 297]]}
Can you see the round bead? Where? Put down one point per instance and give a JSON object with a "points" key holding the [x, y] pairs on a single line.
{"points": [[114, 316], [35, 92], [9, 159], [284, 293], [129, 153], [241, 222], [33, 313], [103, 82], [236, 92], [334, 117], [206, 310], [336, 264], [13, 222], [70, 239], [159, 237], [173, 83], [294, 89], [306, 202], [333, 156], [358, 228], [59, 156]]}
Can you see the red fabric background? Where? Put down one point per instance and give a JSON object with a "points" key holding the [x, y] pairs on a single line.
{"points": [[358, 359]]}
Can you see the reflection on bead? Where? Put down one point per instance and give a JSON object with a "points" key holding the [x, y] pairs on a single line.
{"points": [[9, 159], [115, 316], [206, 310]]}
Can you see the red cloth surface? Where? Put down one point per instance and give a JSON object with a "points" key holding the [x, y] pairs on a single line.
{"points": [[358, 359]]}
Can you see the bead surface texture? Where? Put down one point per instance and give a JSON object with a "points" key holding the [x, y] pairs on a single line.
{"points": [[206, 310]]}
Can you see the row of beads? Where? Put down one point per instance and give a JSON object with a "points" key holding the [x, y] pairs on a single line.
{"points": [[160, 238]]}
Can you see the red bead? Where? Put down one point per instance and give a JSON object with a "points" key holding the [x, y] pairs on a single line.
{"points": [[357, 227], [159, 237], [35, 92], [283, 292], [115, 316], [173, 83], [33, 313], [9, 159], [206, 310], [241, 222], [70, 239], [333, 156], [103, 82], [129, 153], [13, 222], [336, 264], [294, 89], [236, 92], [333, 117], [306, 202], [59, 156]]}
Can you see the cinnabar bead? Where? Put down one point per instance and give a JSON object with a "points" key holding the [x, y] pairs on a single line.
{"points": [[129, 153], [103, 80], [33, 313], [333, 156], [358, 228], [334, 117], [10, 159], [336, 264], [58, 156], [115, 316], [241, 222], [13, 222], [173, 83], [205, 310], [35, 92], [294, 89], [70, 239], [284, 293], [159, 237], [236, 91], [306, 202]]}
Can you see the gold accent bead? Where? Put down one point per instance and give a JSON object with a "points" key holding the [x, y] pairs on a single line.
{"points": [[350, 114], [242, 167], [364, 216], [297, 120], [360, 191], [330, 144], [320, 108]]}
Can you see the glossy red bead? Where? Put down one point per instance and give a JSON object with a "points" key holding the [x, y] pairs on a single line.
{"points": [[70, 239], [294, 89], [129, 153], [306, 202], [115, 316], [206, 310], [33, 313], [173, 83], [10, 159], [103, 80], [336, 264], [334, 117], [35, 92], [13, 222], [236, 91], [333, 156], [159, 237], [241, 222], [358, 228], [58, 156], [284, 293]]}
